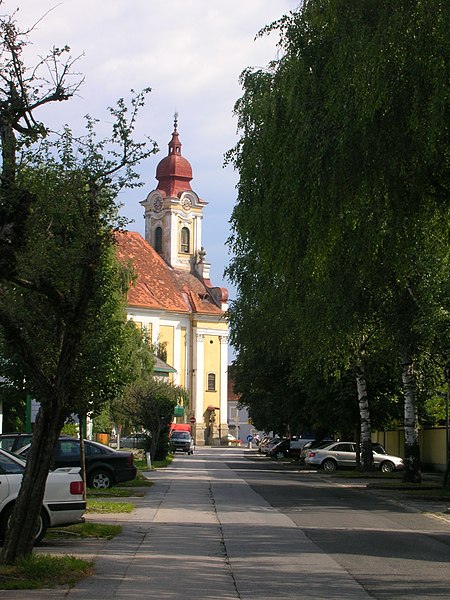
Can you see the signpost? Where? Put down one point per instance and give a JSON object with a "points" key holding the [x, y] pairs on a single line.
{"points": [[178, 411]]}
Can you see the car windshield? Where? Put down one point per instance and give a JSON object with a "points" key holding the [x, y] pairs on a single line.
{"points": [[181, 435], [10, 464], [323, 445]]}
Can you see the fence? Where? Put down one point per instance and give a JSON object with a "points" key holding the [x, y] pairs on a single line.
{"points": [[432, 443]]}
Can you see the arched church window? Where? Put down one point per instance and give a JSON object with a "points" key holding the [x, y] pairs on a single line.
{"points": [[211, 382], [158, 240], [185, 241]]}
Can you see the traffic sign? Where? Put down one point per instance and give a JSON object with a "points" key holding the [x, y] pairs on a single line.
{"points": [[249, 438], [192, 420]]}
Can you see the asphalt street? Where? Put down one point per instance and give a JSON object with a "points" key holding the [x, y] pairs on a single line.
{"points": [[224, 524]]}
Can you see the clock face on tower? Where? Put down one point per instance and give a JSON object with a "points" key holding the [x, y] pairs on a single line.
{"points": [[186, 203], [157, 204]]}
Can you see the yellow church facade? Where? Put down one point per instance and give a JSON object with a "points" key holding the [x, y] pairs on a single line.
{"points": [[172, 297]]}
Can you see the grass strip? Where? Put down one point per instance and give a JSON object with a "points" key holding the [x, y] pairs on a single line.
{"points": [[425, 491], [397, 475], [114, 492], [85, 530], [104, 507], [44, 571], [139, 481], [141, 463]]}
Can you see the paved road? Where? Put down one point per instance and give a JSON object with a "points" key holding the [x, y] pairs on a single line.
{"points": [[393, 551], [219, 526]]}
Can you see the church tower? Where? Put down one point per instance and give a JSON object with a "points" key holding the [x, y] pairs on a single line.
{"points": [[173, 300], [173, 213]]}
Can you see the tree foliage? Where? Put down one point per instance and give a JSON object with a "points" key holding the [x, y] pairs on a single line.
{"points": [[342, 207], [150, 405], [61, 291]]}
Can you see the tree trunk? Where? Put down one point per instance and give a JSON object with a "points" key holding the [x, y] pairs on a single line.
{"points": [[412, 449], [19, 539], [156, 432], [367, 463], [8, 148]]}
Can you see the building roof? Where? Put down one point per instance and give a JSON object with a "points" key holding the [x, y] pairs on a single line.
{"points": [[157, 285], [162, 367], [174, 172]]}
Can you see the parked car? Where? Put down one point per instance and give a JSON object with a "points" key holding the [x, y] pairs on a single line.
{"points": [[233, 440], [63, 499], [279, 449], [182, 441], [285, 448], [13, 441], [104, 466], [269, 444], [311, 444], [264, 441], [135, 440], [330, 456], [317, 444]]}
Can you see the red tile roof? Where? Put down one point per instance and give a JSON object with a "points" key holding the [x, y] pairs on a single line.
{"points": [[157, 285]]}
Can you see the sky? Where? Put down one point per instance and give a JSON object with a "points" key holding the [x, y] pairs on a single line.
{"points": [[191, 53]]}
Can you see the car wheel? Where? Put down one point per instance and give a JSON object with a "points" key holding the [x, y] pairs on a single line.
{"points": [[387, 466], [279, 455], [100, 480], [329, 465], [41, 528]]}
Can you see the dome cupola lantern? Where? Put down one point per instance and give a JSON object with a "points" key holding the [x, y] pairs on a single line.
{"points": [[174, 172]]}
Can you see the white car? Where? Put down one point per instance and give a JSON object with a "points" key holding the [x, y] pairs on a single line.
{"points": [[232, 440], [332, 455], [63, 499]]}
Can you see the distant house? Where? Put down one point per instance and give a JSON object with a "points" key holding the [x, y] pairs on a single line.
{"points": [[173, 299], [162, 370], [238, 420]]}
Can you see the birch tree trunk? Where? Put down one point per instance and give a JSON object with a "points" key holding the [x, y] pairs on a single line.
{"points": [[412, 449], [367, 463]]}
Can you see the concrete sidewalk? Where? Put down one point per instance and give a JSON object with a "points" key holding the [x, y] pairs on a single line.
{"points": [[202, 533]]}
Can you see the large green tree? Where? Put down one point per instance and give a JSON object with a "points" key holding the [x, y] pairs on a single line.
{"points": [[60, 300], [343, 163], [150, 405]]}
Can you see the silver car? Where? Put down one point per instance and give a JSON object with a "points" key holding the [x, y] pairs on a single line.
{"points": [[183, 441], [332, 455]]}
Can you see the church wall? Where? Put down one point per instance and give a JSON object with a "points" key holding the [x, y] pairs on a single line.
{"points": [[220, 326], [174, 332], [212, 366], [183, 351], [166, 337], [182, 340]]}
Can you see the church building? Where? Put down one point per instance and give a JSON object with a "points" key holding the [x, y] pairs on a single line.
{"points": [[173, 299]]}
